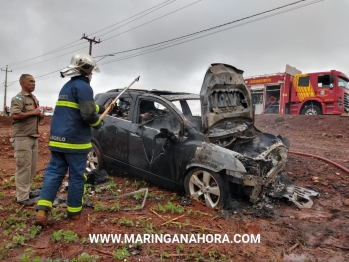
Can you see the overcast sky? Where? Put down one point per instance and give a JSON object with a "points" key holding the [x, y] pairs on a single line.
{"points": [[310, 38]]}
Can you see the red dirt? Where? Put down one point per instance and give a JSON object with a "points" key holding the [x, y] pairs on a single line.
{"points": [[317, 234]]}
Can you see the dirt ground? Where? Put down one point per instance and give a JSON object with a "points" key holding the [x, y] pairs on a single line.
{"points": [[286, 234]]}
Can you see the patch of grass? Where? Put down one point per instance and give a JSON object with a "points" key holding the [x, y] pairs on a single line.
{"points": [[174, 208], [57, 214], [169, 207], [27, 256], [127, 182], [98, 206], [38, 178], [18, 239], [164, 255], [115, 206], [111, 186], [6, 184], [57, 236], [121, 254], [85, 257], [68, 236], [126, 222]]}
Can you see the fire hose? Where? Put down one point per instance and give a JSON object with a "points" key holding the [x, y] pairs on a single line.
{"points": [[321, 158]]}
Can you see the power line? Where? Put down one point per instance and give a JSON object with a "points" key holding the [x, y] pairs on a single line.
{"points": [[53, 51], [67, 46], [155, 20], [50, 73], [135, 16], [202, 31], [47, 59], [61, 49], [180, 38], [167, 42], [47, 78]]}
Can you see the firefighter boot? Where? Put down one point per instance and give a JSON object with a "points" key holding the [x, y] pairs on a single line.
{"points": [[41, 218]]}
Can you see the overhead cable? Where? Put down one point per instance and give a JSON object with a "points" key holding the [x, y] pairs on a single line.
{"points": [[202, 31], [154, 20], [169, 42], [67, 46], [171, 1]]}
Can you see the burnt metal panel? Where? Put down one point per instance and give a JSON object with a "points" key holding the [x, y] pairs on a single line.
{"points": [[224, 96]]}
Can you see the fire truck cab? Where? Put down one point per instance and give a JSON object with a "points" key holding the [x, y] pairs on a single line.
{"points": [[295, 93]]}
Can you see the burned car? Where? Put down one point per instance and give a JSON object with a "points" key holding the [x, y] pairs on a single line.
{"points": [[206, 145]]}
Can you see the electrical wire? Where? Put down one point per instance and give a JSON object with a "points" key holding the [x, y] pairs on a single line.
{"points": [[61, 49], [202, 31], [171, 1], [64, 47], [47, 78], [47, 59], [169, 42], [49, 73], [155, 20], [16, 63]]}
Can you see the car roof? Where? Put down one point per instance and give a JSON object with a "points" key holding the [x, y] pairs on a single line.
{"points": [[169, 95]]}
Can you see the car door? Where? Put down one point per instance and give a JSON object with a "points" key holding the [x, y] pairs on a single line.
{"points": [[116, 133], [154, 154]]}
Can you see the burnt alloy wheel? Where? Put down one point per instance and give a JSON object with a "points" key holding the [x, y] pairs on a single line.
{"points": [[207, 185], [311, 110], [94, 159]]}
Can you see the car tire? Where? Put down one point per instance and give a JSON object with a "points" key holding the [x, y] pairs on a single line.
{"points": [[311, 110], [94, 159], [207, 185]]}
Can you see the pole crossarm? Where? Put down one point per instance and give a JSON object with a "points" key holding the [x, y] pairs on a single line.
{"points": [[91, 40], [5, 85]]}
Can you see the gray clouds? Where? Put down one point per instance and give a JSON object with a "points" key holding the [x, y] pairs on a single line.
{"points": [[310, 38]]}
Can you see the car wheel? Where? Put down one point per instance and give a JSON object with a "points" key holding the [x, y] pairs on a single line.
{"points": [[311, 110], [206, 185], [94, 159]]}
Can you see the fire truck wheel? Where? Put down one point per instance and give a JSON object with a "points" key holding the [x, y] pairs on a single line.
{"points": [[311, 110]]}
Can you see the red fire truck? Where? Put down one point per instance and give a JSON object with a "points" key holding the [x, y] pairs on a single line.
{"points": [[295, 93]]}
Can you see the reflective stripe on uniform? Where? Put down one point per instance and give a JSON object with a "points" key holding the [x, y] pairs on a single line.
{"points": [[70, 146], [85, 176], [68, 104], [97, 123], [97, 108], [45, 203], [74, 209]]}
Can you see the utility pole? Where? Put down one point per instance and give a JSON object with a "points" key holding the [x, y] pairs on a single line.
{"points": [[91, 40], [5, 86]]}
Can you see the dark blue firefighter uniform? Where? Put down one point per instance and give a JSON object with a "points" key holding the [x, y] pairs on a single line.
{"points": [[70, 141]]}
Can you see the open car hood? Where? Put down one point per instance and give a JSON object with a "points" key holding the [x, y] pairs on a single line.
{"points": [[226, 106]]}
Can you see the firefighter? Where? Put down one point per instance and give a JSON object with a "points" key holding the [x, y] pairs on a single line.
{"points": [[70, 139]]}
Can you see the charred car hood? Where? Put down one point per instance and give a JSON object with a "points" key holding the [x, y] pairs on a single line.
{"points": [[226, 106]]}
